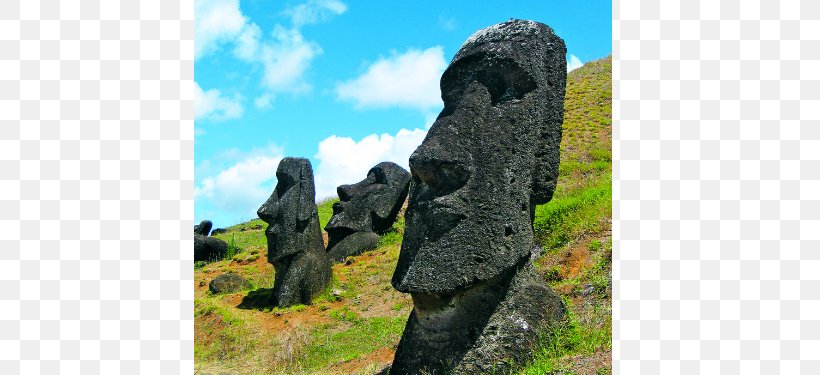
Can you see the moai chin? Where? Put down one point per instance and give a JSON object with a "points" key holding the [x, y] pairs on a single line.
{"points": [[295, 245], [365, 210], [490, 157]]}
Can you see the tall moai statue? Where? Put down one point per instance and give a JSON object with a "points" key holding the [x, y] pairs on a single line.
{"points": [[295, 245], [490, 157], [365, 210]]}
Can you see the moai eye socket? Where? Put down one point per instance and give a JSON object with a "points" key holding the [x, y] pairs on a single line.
{"points": [[503, 77], [284, 183]]}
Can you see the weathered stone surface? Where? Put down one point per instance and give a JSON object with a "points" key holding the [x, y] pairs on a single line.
{"points": [[353, 244], [491, 157], [228, 283], [209, 248], [295, 245], [369, 206], [203, 228], [483, 329]]}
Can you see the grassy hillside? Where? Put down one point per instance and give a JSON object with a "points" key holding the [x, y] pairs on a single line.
{"points": [[355, 326]]}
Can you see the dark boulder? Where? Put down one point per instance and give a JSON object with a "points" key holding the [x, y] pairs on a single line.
{"points": [[203, 228], [366, 209], [295, 245], [491, 156], [228, 283], [218, 231], [209, 249]]}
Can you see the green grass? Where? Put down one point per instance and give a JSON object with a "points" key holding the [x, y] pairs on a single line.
{"points": [[233, 336], [576, 335], [364, 335], [394, 234], [325, 209], [569, 217]]}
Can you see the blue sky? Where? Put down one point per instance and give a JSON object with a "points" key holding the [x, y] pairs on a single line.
{"points": [[345, 84]]}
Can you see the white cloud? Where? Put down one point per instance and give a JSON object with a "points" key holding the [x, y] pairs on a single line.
{"points": [[409, 80], [215, 22], [213, 105], [314, 11], [247, 43], [240, 189], [341, 160], [573, 62], [283, 53], [263, 102], [286, 59]]}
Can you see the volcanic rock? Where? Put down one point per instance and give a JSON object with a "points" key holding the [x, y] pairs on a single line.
{"points": [[490, 157], [228, 283], [365, 210], [203, 228], [295, 245], [209, 248]]}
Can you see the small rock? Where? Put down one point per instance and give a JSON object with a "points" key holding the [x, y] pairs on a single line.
{"points": [[228, 283], [202, 283], [588, 289]]}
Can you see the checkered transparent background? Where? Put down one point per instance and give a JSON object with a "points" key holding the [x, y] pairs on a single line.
{"points": [[96, 187], [717, 187]]}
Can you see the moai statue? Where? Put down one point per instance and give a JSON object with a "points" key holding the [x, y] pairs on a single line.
{"points": [[209, 249], [365, 210], [295, 246], [491, 156], [203, 228]]}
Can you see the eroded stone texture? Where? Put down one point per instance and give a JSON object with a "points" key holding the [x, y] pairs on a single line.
{"points": [[203, 228], [228, 283], [491, 156], [209, 249], [295, 245], [365, 210]]}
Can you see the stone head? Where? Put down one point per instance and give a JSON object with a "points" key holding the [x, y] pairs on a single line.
{"points": [[370, 204], [490, 157], [290, 208], [203, 228]]}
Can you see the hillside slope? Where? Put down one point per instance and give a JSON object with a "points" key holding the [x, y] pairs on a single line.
{"points": [[355, 326]]}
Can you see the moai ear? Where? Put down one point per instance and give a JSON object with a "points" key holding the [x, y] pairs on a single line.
{"points": [[305, 205], [544, 173]]}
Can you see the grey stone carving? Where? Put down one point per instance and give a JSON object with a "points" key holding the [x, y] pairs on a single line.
{"points": [[491, 156], [295, 245], [365, 210], [203, 228]]}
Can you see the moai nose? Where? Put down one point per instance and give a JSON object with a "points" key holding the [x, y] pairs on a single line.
{"points": [[439, 169], [267, 212]]}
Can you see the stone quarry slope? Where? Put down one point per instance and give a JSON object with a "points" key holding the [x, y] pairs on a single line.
{"points": [[355, 325]]}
